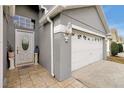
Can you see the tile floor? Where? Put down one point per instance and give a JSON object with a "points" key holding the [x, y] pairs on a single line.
{"points": [[37, 77]]}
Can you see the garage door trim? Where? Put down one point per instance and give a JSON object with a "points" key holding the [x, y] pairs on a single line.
{"points": [[86, 30], [75, 56]]}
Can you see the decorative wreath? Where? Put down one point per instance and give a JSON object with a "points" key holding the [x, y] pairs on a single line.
{"points": [[25, 44]]}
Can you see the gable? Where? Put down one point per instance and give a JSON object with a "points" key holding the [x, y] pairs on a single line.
{"points": [[114, 35], [87, 15]]}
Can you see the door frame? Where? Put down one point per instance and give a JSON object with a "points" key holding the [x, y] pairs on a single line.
{"points": [[22, 30], [1, 46]]}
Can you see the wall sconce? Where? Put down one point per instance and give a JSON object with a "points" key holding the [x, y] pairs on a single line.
{"points": [[68, 32]]}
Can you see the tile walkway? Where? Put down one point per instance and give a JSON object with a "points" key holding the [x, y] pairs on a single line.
{"points": [[37, 77]]}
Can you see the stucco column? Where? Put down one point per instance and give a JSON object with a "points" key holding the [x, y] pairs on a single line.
{"points": [[108, 47], [1, 46], [109, 44], [105, 48], [62, 53]]}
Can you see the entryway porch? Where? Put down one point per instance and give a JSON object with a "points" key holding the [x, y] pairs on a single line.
{"points": [[35, 76]]}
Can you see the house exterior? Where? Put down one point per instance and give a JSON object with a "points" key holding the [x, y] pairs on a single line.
{"points": [[114, 35], [116, 38], [1, 46], [69, 37], [120, 40]]}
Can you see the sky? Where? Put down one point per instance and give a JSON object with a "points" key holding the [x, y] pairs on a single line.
{"points": [[115, 17]]}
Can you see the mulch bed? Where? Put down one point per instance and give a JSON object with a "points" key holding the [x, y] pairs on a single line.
{"points": [[116, 59]]}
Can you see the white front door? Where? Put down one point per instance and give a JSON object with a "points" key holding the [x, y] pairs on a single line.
{"points": [[24, 47], [86, 49]]}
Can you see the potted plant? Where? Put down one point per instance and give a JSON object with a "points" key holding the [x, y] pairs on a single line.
{"points": [[11, 57], [10, 52]]}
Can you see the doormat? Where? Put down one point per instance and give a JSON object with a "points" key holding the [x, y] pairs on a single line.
{"points": [[24, 67]]}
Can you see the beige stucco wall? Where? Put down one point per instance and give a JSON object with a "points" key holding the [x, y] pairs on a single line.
{"points": [[120, 39], [114, 35]]}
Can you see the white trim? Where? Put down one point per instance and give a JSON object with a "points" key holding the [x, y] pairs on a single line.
{"points": [[12, 10], [59, 28], [44, 8], [26, 31], [1, 46], [103, 18], [86, 30], [59, 8], [48, 14]]}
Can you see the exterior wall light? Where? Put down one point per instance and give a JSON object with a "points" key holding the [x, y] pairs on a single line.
{"points": [[68, 32]]}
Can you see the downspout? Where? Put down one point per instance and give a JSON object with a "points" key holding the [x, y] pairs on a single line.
{"points": [[44, 9], [51, 30], [51, 39]]}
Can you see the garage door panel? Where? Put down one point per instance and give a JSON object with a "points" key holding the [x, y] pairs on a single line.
{"points": [[85, 52]]}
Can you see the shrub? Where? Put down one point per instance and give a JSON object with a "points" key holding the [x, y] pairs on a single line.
{"points": [[120, 48], [114, 48]]}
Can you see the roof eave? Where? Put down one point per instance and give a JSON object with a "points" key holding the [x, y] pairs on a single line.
{"points": [[102, 17], [59, 8]]}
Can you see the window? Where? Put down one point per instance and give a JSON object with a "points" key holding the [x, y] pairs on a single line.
{"points": [[95, 39], [79, 36], [88, 38], [28, 20], [98, 39], [84, 37], [24, 22]]}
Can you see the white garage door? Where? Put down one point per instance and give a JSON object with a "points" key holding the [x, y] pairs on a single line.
{"points": [[86, 49]]}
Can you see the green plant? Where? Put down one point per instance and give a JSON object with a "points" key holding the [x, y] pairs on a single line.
{"points": [[120, 48], [114, 48]]}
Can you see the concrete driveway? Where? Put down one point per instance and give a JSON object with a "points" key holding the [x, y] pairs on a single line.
{"points": [[121, 54], [101, 74]]}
